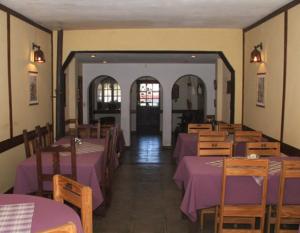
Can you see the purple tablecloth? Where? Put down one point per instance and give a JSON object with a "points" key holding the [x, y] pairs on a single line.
{"points": [[202, 184], [89, 167], [47, 213], [186, 145]]}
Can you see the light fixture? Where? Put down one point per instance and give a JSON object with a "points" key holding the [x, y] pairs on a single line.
{"points": [[38, 55], [193, 56], [255, 54], [93, 56], [104, 62]]}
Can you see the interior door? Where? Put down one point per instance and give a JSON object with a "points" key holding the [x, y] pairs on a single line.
{"points": [[148, 107]]}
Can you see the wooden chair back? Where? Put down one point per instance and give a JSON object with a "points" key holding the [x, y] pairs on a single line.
{"points": [[263, 148], [244, 167], [95, 130], [212, 136], [50, 134], [230, 128], [65, 189], [72, 130], [290, 170], [69, 227], [42, 136], [247, 136], [55, 152], [83, 131], [215, 149], [195, 128], [29, 143]]}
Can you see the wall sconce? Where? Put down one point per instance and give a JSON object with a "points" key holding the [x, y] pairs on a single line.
{"points": [[38, 55], [255, 54]]}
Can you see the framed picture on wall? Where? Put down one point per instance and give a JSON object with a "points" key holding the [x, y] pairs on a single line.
{"points": [[261, 88], [33, 87]]}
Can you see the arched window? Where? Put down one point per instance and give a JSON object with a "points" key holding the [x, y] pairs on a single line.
{"points": [[108, 91]]}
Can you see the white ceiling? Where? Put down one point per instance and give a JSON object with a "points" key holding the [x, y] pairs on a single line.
{"points": [[76, 14], [146, 58]]}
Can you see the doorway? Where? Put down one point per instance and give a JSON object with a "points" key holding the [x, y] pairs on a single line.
{"points": [[147, 92]]}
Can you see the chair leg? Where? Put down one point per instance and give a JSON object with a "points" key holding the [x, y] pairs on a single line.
{"points": [[269, 218], [201, 219], [216, 220]]}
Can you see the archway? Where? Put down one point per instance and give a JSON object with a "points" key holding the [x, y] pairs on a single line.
{"points": [[146, 106], [104, 95], [189, 101]]}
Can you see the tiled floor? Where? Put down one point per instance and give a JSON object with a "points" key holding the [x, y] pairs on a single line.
{"points": [[145, 198]]}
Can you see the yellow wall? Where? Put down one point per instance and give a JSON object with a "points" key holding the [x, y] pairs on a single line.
{"points": [[267, 119], [292, 110], [4, 113], [24, 116], [227, 40]]}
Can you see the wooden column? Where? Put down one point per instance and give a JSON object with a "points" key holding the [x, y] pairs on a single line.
{"points": [[60, 91]]}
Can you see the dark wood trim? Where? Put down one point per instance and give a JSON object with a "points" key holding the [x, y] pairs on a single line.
{"points": [[289, 150], [11, 129], [272, 15], [264, 135], [117, 111], [243, 86], [60, 126], [17, 140], [10, 191], [284, 74], [24, 18], [133, 111], [52, 79], [33, 72]]}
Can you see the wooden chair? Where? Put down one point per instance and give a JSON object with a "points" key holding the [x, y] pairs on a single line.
{"points": [[29, 143], [106, 176], [212, 136], [69, 227], [230, 128], [83, 131], [56, 168], [244, 168], [65, 189], [284, 213], [95, 130], [215, 149], [195, 128], [42, 136], [263, 148], [212, 149], [72, 131], [50, 135], [247, 136]]}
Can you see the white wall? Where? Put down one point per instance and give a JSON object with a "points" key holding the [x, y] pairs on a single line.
{"points": [[126, 74]]}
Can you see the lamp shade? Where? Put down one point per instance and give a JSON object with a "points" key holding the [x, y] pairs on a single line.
{"points": [[39, 56], [255, 54]]}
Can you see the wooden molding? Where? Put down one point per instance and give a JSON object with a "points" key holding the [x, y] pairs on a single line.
{"points": [[24, 18], [9, 77], [17, 140], [272, 15]]}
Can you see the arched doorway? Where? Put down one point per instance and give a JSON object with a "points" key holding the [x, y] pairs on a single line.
{"points": [[146, 105], [189, 102], [104, 100]]}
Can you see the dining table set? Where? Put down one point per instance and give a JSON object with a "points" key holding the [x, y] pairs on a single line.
{"points": [[96, 159], [200, 176]]}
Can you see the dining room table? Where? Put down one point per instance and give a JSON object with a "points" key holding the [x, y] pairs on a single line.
{"points": [[186, 145], [26, 213], [90, 165], [201, 180]]}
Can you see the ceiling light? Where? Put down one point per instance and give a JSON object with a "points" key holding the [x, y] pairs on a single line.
{"points": [[255, 56], [193, 56], [104, 62], [93, 56]]}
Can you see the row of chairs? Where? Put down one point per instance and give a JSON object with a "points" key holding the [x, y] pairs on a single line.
{"points": [[249, 213], [231, 128], [212, 148]]}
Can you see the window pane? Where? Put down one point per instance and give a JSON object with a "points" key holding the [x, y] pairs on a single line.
{"points": [[155, 87], [149, 94], [155, 95], [143, 87], [142, 95], [149, 87], [155, 104], [119, 99]]}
